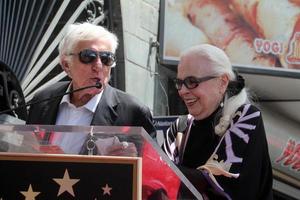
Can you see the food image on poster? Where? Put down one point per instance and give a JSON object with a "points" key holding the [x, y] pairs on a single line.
{"points": [[258, 33]]}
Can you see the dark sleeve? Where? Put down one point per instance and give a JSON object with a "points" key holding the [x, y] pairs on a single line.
{"points": [[45, 104], [169, 139], [146, 121], [35, 114], [196, 177], [201, 181], [132, 112], [169, 144], [38, 114], [255, 180], [31, 117]]}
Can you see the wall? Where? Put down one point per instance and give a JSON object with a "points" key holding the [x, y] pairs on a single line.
{"points": [[140, 25]]}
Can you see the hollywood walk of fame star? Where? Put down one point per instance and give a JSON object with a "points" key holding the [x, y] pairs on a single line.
{"points": [[66, 184], [29, 194], [106, 189]]}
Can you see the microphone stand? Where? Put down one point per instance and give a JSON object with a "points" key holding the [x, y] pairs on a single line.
{"points": [[98, 85]]}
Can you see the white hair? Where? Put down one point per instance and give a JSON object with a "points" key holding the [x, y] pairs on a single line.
{"points": [[220, 64], [219, 61], [84, 31]]}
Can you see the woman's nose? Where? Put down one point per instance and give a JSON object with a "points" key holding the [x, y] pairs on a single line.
{"points": [[183, 90]]}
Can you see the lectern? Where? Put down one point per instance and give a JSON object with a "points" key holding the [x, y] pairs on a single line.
{"points": [[85, 162]]}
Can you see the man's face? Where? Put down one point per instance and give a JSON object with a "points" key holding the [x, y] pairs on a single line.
{"points": [[204, 99], [86, 74]]}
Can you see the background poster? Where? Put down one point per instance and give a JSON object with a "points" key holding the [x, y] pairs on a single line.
{"points": [[263, 34]]}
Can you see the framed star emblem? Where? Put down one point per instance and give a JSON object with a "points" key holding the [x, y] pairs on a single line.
{"points": [[49, 176]]}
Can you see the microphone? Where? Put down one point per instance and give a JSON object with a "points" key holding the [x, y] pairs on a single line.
{"points": [[97, 85]]}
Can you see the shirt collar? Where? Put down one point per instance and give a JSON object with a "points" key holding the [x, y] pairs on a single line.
{"points": [[91, 105]]}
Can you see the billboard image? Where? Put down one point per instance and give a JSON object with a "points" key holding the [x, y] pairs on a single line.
{"points": [[254, 33]]}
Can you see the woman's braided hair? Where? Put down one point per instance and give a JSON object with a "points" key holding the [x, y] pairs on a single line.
{"points": [[235, 96]]}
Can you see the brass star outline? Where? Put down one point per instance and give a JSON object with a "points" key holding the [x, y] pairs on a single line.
{"points": [[106, 190], [29, 194], [66, 184]]}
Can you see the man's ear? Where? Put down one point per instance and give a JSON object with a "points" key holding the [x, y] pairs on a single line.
{"points": [[66, 67]]}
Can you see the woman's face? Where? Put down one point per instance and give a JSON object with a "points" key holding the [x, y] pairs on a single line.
{"points": [[204, 99]]}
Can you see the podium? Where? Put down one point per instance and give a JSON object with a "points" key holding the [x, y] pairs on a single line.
{"points": [[86, 162]]}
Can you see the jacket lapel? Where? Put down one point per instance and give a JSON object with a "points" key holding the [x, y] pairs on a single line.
{"points": [[49, 113], [105, 114]]}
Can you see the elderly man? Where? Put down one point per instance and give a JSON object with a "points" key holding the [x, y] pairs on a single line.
{"points": [[87, 54]]}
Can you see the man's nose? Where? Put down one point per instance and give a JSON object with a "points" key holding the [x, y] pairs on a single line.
{"points": [[97, 64]]}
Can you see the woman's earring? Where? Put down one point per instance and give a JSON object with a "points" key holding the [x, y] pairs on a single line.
{"points": [[222, 104]]}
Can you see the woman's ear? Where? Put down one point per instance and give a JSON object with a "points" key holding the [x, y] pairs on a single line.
{"points": [[224, 83]]}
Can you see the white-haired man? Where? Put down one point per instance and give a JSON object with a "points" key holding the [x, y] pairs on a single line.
{"points": [[87, 54]]}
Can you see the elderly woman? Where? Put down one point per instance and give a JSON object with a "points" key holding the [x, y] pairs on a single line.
{"points": [[221, 144]]}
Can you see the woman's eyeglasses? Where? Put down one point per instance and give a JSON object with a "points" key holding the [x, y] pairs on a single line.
{"points": [[191, 82], [88, 56]]}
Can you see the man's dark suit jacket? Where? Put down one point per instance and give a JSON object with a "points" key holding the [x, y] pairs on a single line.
{"points": [[115, 108]]}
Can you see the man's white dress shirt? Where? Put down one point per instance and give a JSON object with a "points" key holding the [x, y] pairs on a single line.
{"points": [[68, 114]]}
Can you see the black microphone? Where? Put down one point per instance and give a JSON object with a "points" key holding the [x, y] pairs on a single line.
{"points": [[97, 85]]}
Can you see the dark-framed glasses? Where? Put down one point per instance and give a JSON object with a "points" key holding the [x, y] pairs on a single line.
{"points": [[191, 82], [87, 56]]}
